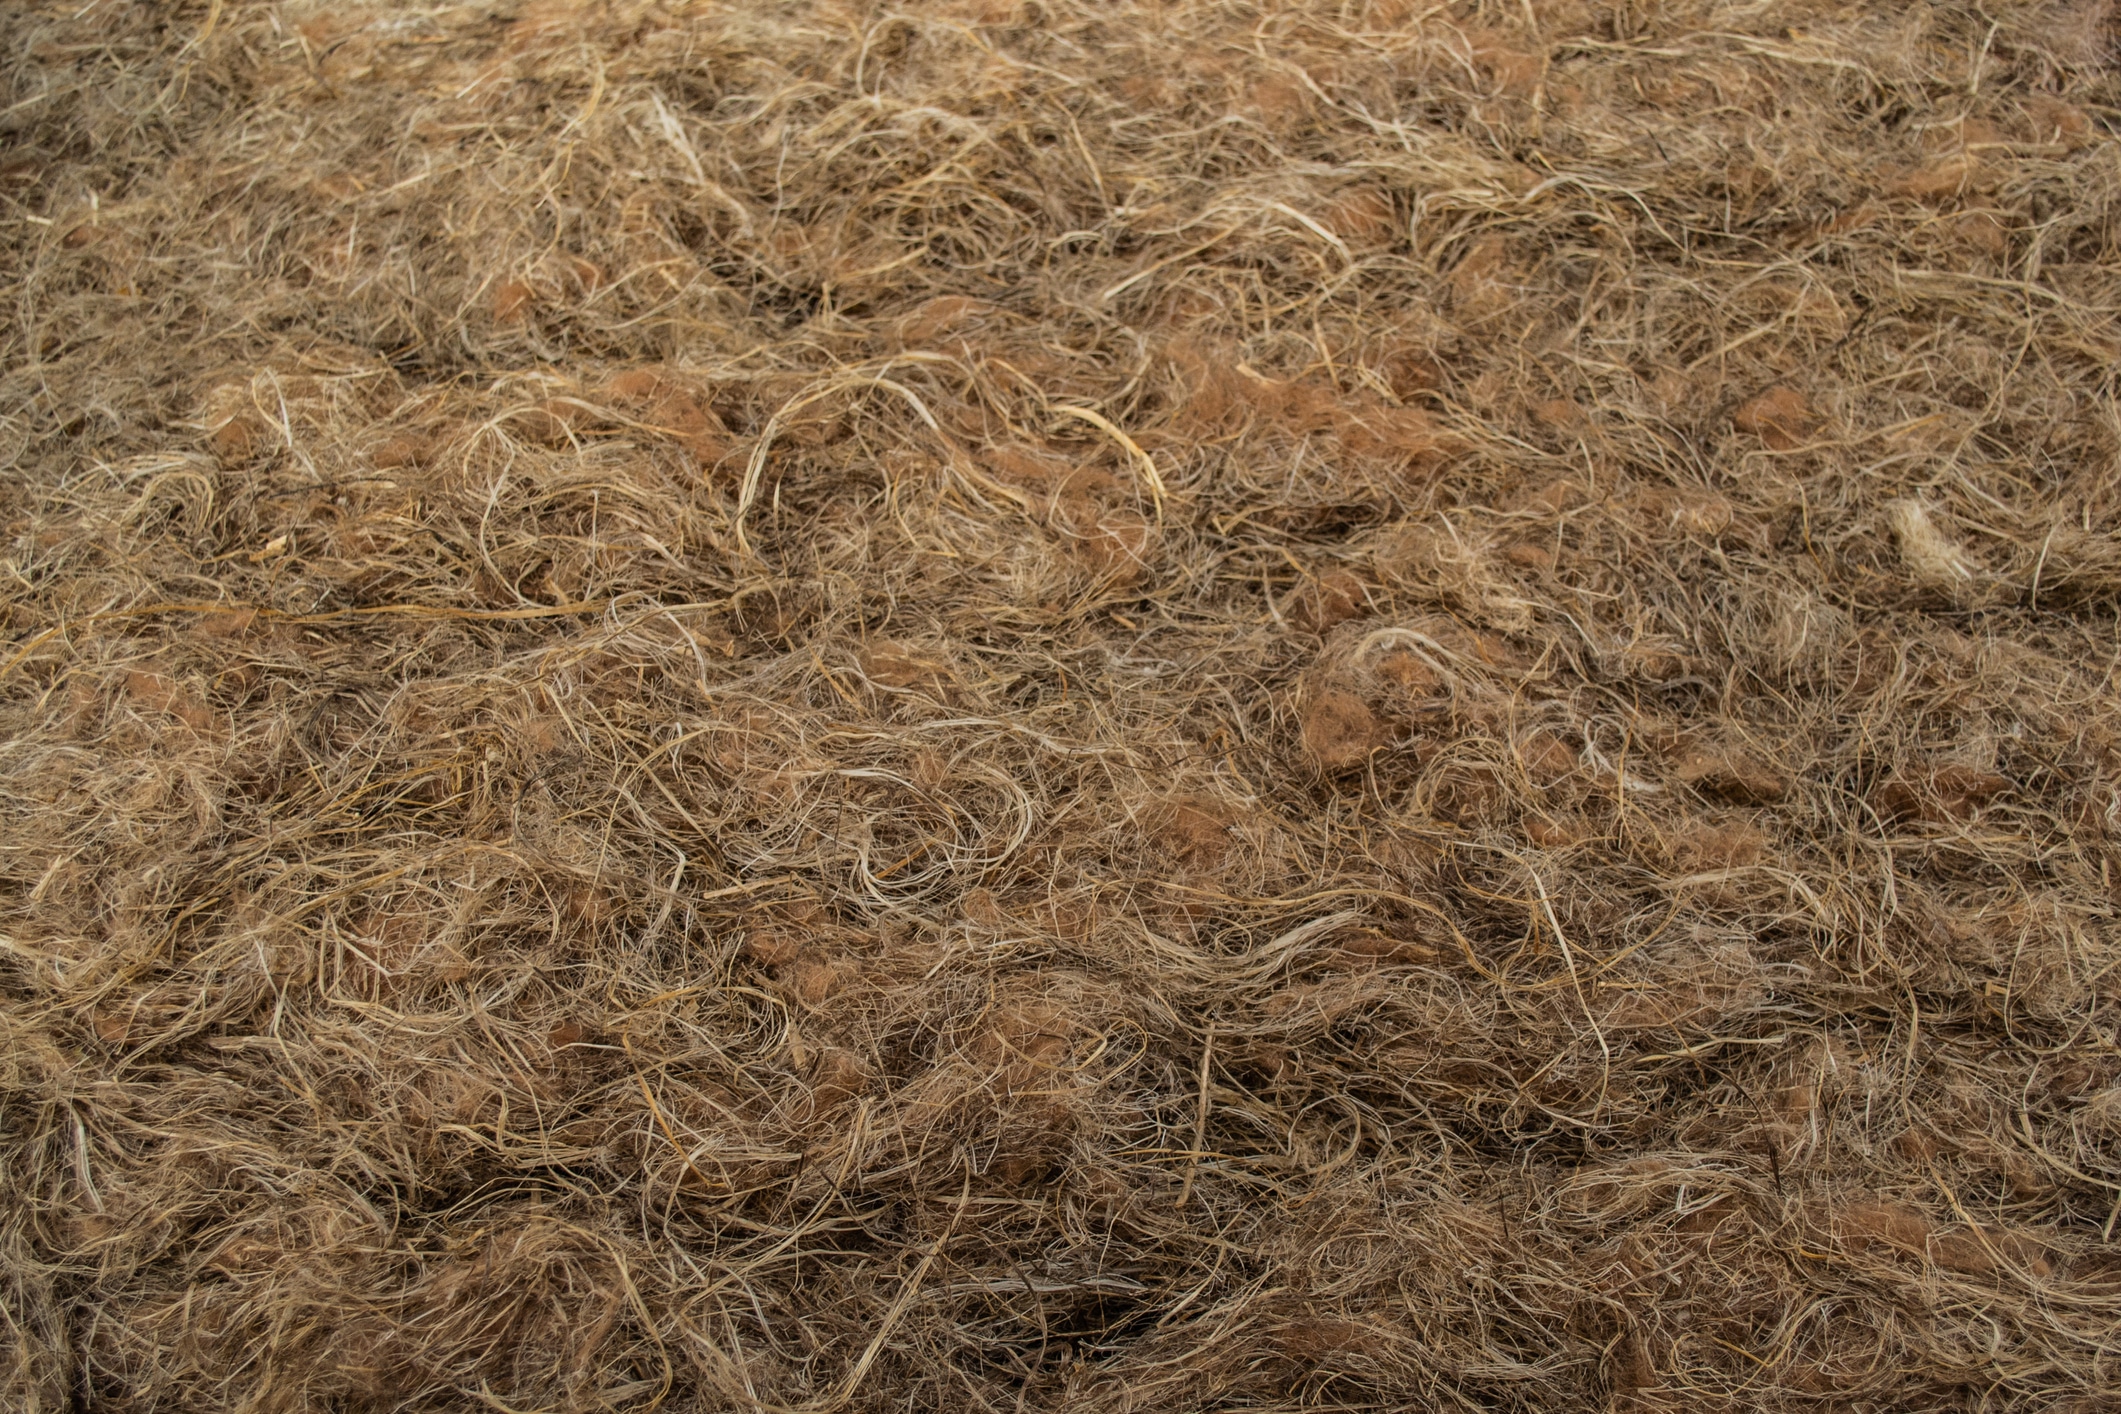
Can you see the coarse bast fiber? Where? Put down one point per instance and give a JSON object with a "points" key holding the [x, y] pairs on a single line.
{"points": [[1094, 705]]}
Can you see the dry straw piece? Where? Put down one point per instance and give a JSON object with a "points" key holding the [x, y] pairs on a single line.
{"points": [[1060, 704]]}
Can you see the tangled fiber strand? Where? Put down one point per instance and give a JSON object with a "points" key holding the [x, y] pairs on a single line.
{"points": [[1060, 704]]}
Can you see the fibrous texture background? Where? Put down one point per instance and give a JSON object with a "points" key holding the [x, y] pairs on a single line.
{"points": [[1059, 704]]}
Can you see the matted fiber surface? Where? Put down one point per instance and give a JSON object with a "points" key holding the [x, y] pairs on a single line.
{"points": [[1059, 706]]}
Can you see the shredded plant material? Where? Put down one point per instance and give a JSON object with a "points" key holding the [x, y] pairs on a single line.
{"points": [[1060, 705]]}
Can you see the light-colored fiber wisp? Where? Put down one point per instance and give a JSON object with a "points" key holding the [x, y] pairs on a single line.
{"points": [[1933, 559]]}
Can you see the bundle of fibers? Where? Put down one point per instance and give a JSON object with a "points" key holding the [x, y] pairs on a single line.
{"points": [[1079, 705]]}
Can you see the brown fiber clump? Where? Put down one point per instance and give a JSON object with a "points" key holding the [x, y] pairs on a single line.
{"points": [[1024, 705]]}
